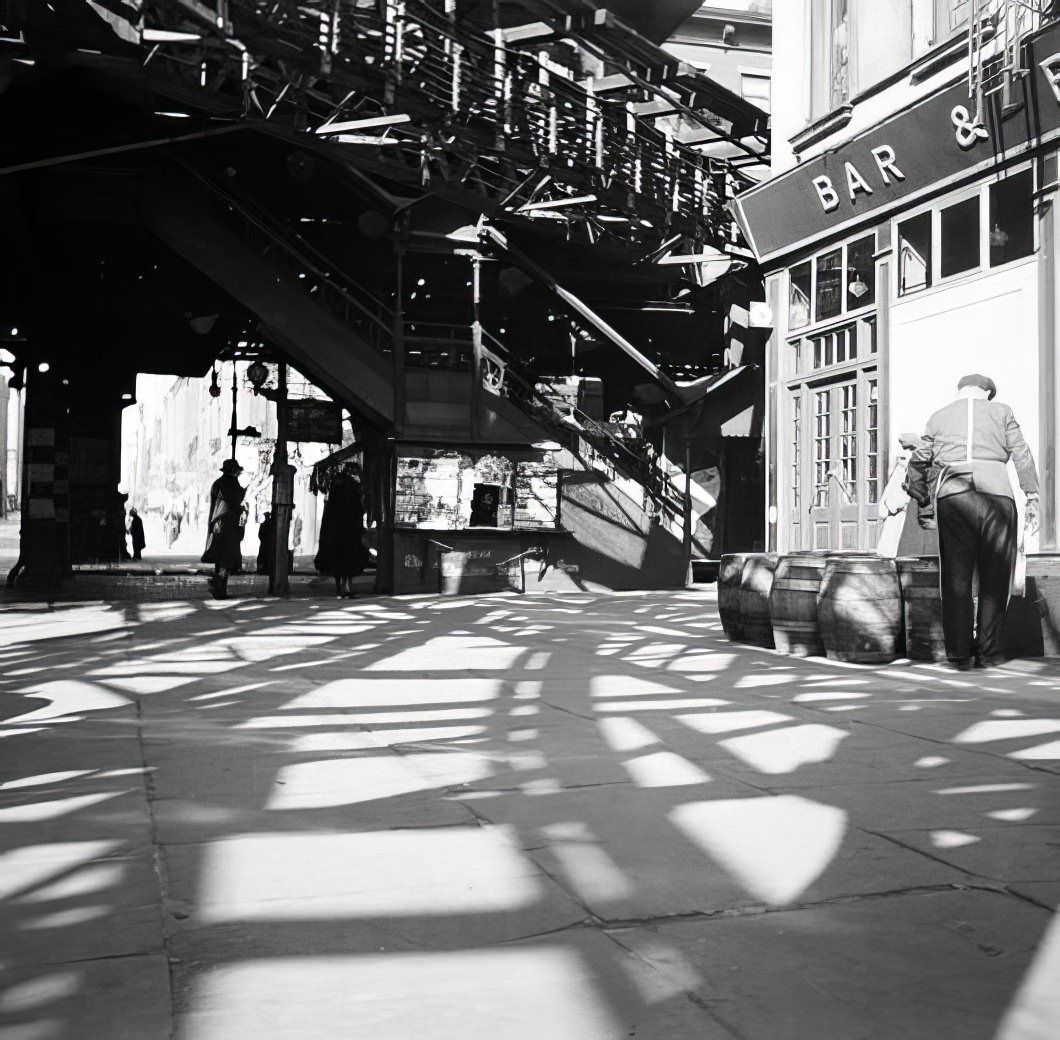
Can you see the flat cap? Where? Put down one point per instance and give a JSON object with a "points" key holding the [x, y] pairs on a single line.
{"points": [[976, 379], [909, 440]]}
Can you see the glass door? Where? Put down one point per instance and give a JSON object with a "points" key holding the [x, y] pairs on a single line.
{"points": [[839, 481]]}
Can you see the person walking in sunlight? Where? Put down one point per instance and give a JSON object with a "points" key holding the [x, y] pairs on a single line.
{"points": [[223, 537], [972, 440]]}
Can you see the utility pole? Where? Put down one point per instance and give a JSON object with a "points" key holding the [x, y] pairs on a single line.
{"points": [[282, 492]]}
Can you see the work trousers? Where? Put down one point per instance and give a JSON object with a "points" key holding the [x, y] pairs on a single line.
{"points": [[976, 532]]}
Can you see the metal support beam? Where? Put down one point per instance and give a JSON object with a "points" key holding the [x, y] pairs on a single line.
{"points": [[282, 492], [535, 270], [398, 339]]}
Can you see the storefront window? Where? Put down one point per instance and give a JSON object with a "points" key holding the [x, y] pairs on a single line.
{"points": [[861, 273], [799, 297], [822, 445], [829, 291], [848, 441], [796, 452], [1011, 218], [914, 253], [959, 237], [872, 430]]}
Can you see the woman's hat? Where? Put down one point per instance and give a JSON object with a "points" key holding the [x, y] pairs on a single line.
{"points": [[231, 466]]}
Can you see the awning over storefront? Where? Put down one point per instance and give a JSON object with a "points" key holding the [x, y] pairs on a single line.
{"points": [[920, 150]]}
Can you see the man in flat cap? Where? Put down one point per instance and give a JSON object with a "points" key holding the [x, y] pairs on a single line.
{"points": [[971, 442]]}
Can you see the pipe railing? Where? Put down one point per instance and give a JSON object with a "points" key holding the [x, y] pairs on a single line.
{"points": [[587, 438], [501, 106]]}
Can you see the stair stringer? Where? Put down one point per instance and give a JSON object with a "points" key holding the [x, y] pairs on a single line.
{"points": [[324, 348], [617, 544]]}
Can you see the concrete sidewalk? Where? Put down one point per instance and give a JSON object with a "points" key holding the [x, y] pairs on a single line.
{"points": [[572, 817]]}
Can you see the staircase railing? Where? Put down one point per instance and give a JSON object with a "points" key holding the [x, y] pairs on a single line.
{"points": [[480, 114], [594, 445], [320, 277]]}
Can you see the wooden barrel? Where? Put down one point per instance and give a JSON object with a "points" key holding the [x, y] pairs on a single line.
{"points": [[859, 609], [756, 583], [729, 571], [918, 578], [793, 603]]}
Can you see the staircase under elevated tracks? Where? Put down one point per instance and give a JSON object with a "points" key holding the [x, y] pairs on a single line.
{"points": [[424, 100], [342, 336]]}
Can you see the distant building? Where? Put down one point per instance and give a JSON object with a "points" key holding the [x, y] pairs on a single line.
{"points": [[172, 458], [733, 43]]}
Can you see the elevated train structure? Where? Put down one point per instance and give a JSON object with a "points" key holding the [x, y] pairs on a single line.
{"points": [[429, 207]]}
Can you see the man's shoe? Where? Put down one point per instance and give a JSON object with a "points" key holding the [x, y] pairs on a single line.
{"points": [[992, 661], [961, 664]]}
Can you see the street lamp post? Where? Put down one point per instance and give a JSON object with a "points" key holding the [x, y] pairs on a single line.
{"points": [[282, 491], [235, 389], [282, 476]]}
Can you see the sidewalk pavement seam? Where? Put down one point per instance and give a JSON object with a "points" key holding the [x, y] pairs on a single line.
{"points": [[1049, 908], [762, 910], [159, 864], [938, 859], [985, 752], [702, 1003]]}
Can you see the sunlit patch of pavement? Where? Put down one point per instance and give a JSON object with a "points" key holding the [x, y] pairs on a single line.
{"points": [[583, 816]]}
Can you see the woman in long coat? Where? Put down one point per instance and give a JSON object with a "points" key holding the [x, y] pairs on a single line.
{"points": [[342, 552], [223, 538], [136, 534]]}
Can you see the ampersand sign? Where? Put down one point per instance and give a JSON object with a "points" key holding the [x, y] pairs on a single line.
{"points": [[968, 132]]}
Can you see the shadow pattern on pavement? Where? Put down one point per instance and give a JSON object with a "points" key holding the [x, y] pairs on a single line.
{"points": [[579, 816]]}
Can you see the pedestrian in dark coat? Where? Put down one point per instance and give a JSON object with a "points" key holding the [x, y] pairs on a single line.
{"points": [[266, 544], [342, 553], [136, 534], [972, 440], [223, 537]]}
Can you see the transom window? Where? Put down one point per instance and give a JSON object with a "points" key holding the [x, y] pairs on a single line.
{"points": [[840, 346], [841, 280]]}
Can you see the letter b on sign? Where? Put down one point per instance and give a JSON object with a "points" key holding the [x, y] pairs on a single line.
{"points": [[826, 193]]}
